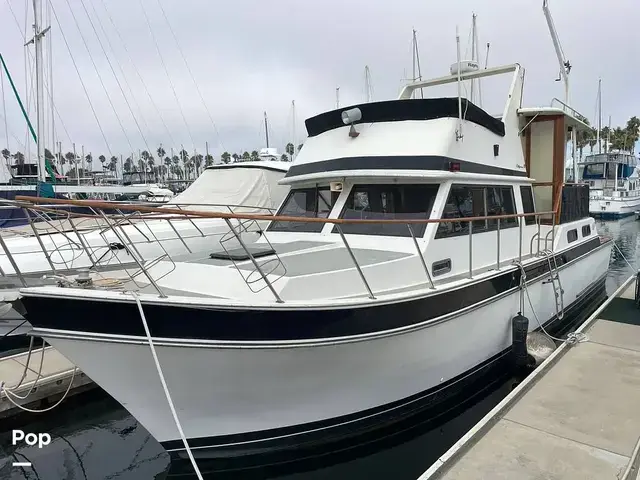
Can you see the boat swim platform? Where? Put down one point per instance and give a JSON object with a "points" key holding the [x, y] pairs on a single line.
{"points": [[577, 416], [54, 380]]}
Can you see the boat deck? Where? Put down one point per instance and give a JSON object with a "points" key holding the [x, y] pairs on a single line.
{"points": [[575, 417], [50, 387]]}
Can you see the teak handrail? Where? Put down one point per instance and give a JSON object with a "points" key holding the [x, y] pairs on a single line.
{"points": [[249, 216]]}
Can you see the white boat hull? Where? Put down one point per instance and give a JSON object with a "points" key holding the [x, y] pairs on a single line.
{"points": [[225, 389], [612, 208]]}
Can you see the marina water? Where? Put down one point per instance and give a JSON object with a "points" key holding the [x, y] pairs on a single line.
{"points": [[95, 438]]}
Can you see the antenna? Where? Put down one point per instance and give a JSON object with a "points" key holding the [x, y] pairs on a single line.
{"points": [[337, 97], [486, 58], [415, 60], [266, 129], [367, 83], [599, 116], [459, 131], [565, 66], [295, 141]]}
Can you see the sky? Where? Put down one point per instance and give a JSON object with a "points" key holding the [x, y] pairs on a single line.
{"points": [[250, 56]]}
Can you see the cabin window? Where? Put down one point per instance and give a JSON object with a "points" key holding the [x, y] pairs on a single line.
{"points": [[477, 201], [586, 230], [572, 235], [527, 204], [388, 202], [315, 202]]}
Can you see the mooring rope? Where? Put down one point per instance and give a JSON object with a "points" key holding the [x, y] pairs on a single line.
{"points": [[164, 385]]}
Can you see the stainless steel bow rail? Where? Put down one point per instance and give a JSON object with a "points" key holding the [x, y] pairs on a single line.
{"points": [[266, 269], [67, 241]]}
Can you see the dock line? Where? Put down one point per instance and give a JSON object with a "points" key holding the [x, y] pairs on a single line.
{"points": [[164, 385]]}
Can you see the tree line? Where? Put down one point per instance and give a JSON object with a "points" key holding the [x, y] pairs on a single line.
{"points": [[618, 138], [181, 166]]}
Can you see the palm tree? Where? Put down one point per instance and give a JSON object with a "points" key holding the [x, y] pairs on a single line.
{"points": [[235, 157], [184, 157], [633, 131], [167, 162], [19, 158], [6, 154], [255, 156], [113, 164], [161, 152], [102, 159], [208, 160], [225, 157], [246, 157], [128, 163], [290, 149], [89, 160], [197, 161]]}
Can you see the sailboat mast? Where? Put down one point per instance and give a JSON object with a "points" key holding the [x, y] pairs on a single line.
{"points": [[598, 139], [37, 40], [266, 129], [367, 81]]}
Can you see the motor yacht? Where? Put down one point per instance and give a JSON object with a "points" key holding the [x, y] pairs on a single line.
{"points": [[414, 232]]}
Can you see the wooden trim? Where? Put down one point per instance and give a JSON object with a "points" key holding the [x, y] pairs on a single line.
{"points": [[559, 147]]}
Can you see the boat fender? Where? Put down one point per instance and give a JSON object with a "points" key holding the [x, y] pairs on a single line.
{"points": [[519, 329]]}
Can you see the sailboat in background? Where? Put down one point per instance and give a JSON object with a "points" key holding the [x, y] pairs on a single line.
{"points": [[43, 178]]}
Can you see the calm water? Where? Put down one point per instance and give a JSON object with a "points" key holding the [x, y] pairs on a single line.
{"points": [[94, 438]]}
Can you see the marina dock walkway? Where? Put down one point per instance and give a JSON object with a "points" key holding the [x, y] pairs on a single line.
{"points": [[576, 417], [52, 384]]}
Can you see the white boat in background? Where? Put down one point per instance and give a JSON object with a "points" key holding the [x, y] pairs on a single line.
{"points": [[614, 184], [247, 187]]}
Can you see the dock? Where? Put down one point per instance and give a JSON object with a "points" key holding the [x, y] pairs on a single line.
{"points": [[577, 416], [50, 386]]}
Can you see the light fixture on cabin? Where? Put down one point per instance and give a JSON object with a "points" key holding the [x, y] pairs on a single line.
{"points": [[349, 117]]}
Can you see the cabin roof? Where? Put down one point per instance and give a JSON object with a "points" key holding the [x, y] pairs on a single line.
{"points": [[573, 118], [409, 109]]}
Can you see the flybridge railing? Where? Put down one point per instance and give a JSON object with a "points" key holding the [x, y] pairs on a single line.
{"points": [[114, 223]]}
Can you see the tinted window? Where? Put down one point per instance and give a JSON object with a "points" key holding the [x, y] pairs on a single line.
{"points": [[387, 202], [305, 202], [471, 201], [572, 235], [586, 230], [527, 204]]}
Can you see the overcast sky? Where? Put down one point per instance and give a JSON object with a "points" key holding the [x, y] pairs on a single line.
{"points": [[250, 56]]}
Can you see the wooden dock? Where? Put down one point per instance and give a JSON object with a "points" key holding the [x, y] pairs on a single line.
{"points": [[52, 384], [577, 416]]}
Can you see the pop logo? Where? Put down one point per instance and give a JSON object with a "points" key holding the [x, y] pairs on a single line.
{"points": [[31, 439]]}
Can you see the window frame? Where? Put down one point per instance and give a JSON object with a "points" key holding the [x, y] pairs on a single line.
{"points": [[418, 233], [311, 227], [573, 231], [530, 220], [586, 227], [490, 226]]}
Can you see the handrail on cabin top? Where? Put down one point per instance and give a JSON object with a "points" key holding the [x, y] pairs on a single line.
{"points": [[278, 218]]}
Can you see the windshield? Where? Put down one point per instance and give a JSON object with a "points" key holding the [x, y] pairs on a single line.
{"points": [[594, 170], [389, 202], [314, 202]]}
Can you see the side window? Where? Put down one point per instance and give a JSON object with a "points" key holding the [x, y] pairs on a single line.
{"points": [[586, 230], [463, 202], [475, 201], [527, 204], [305, 202], [500, 202], [572, 235], [388, 202]]}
